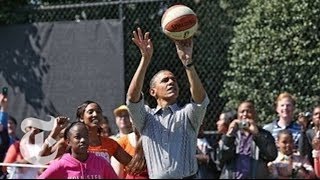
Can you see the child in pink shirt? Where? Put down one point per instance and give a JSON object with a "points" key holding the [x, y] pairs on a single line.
{"points": [[79, 163]]}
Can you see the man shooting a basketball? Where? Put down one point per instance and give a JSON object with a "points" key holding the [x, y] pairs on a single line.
{"points": [[169, 132]]}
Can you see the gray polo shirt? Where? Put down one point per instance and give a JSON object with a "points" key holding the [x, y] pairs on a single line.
{"points": [[169, 137]]}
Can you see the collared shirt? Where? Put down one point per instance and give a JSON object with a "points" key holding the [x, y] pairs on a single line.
{"points": [[243, 160], [169, 137], [284, 164]]}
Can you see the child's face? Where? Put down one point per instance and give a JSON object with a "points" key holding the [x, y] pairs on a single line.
{"points": [[78, 139], [285, 144]]}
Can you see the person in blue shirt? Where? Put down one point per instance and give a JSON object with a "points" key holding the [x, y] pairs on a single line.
{"points": [[169, 131], [285, 107], [12, 126]]}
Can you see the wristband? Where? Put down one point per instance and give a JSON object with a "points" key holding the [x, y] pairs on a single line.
{"points": [[315, 153], [189, 65], [50, 141]]}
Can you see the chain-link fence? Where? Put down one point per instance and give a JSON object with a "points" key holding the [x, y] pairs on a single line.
{"points": [[276, 45], [211, 41]]}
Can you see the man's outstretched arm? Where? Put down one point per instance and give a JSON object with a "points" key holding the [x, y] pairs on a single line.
{"points": [[143, 41]]}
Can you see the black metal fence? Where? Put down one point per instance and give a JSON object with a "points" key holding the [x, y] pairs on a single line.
{"points": [[211, 41]]}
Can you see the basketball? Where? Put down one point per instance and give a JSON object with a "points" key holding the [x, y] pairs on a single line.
{"points": [[179, 22]]}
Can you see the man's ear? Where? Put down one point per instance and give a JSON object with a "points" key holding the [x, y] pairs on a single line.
{"points": [[152, 92], [67, 142]]}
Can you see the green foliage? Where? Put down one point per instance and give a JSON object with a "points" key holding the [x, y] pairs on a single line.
{"points": [[274, 46], [275, 49], [211, 42]]}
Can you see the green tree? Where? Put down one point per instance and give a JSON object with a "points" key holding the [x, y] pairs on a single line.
{"points": [[216, 21], [275, 48]]}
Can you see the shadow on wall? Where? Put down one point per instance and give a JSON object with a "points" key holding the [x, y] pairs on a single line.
{"points": [[23, 66]]}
